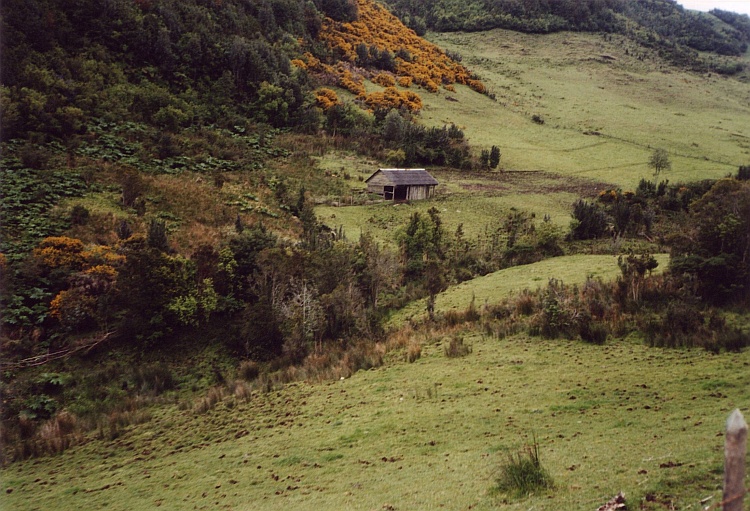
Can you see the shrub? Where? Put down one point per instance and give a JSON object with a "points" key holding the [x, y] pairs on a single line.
{"points": [[733, 340], [133, 186], [34, 157], [593, 331], [457, 348], [249, 370], [79, 215], [526, 303], [589, 221], [682, 325], [523, 473]]}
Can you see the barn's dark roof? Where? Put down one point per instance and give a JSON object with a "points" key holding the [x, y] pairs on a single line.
{"points": [[408, 177]]}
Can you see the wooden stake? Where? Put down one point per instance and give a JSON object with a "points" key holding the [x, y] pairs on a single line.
{"points": [[735, 447]]}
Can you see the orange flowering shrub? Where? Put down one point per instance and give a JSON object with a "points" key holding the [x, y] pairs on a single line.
{"points": [[430, 85], [299, 63], [391, 97], [405, 81], [64, 252], [60, 251], [385, 80], [428, 65], [449, 88], [72, 307], [102, 254], [102, 272], [312, 63], [352, 83], [478, 86], [326, 98]]}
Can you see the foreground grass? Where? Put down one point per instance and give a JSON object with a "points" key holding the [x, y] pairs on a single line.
{"points": [[426, 435], [493, 287]]}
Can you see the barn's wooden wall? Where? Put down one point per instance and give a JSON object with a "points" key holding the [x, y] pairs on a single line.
{"points": [[376, 184], [418, 193]]}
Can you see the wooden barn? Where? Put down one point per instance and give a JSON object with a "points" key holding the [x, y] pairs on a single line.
{"points": [[402, 184]]}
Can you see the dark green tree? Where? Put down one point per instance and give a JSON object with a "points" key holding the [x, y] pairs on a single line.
{"points": [[494, 158]]}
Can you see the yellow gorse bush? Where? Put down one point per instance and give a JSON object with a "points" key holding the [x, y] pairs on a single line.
{"points": [[428, 66]]}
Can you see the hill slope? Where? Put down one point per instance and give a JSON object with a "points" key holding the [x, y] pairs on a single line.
{"points": [[422, 436], [605, 103], [677, 34]]}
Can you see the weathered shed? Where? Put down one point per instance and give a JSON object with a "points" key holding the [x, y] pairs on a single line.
{"points": [[402, 184]]}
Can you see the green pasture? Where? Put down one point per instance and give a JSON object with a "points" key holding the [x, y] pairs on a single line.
{"points": [[604, 110], [427, 435], [492, 288]]}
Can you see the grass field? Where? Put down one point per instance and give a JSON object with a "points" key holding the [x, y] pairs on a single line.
{"points": [[604, 109], [495, 286], [427, 435], [606, 106]]}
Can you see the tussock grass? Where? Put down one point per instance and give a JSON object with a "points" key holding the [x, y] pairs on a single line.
{"points": [[522, 474], [414, 351], [456, 347]]}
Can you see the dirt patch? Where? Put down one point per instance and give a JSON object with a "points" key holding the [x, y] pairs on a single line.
{"points": [[484, 187], [539, 182]]}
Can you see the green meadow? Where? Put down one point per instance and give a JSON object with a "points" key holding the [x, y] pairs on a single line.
{"points": [[426, 435], [605, 104], [477, 201]]}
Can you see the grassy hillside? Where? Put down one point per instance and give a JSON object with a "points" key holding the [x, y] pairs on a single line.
{"points": [[178, 305], [492, 288], [423, 436], [678, 34], [604, 109]]}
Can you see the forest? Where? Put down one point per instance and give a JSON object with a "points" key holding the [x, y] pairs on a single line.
{"points": [[159, 182]]}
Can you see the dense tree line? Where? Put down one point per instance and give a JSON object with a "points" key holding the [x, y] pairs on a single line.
{"points": [[708, 234], [166, 63]]}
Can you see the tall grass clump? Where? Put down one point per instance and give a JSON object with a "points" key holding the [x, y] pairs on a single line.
{"points": [[457, 348], [152, 379], [414, 351], [522, 474]]}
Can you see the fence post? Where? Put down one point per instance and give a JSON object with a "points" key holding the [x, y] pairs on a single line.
{"points": [[735, 447]]}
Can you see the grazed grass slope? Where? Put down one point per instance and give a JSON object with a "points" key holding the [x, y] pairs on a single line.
{"points": [[583, 83], [431, 434], [495, 286]]}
